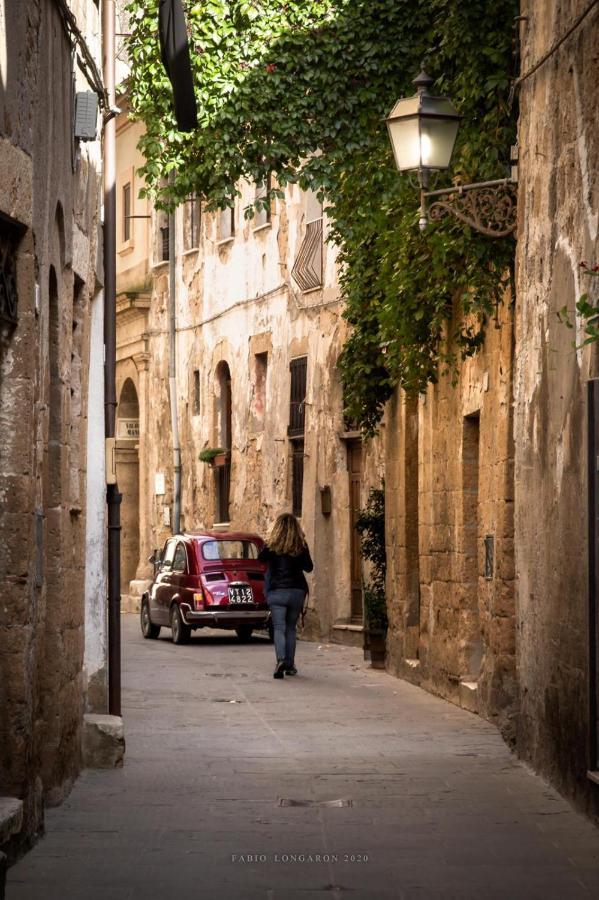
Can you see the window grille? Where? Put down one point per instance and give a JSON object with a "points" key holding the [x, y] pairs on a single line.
{"points": [[164, 242], [297, 477], [307, 268], [297, 406]]}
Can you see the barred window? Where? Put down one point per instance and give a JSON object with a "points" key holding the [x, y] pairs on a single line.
{"points": [[298, 369]]}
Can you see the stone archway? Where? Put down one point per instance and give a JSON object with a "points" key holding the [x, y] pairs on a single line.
{"points": [[127, 469]]}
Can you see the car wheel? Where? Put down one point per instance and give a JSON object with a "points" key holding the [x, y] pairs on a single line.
{"points": [[244, 633], [181, 631], [148, 629], [271, 631]]}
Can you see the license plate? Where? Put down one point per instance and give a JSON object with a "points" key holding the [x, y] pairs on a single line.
{"points": [[241, 594]]}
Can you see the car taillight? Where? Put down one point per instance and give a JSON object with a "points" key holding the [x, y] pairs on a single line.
{"points": [[208, 598], [198, 601]]}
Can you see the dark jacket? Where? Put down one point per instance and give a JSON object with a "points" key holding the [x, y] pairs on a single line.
{"points": [[285, 571]]}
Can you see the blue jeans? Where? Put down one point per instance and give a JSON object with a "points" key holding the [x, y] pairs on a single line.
{"points": [[285, 608]]}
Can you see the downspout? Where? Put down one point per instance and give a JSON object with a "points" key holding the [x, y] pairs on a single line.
{"points": [[113, 497], [172, 372]]}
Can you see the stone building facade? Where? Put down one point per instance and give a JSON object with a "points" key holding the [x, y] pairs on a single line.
{"points": [[449, 528], [492, 485], [50, 354], [258, 332], [555, 419]]}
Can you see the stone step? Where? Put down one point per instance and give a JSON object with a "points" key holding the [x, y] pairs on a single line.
{"points": [[130, 603]]}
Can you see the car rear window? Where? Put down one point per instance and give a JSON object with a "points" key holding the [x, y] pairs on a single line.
{"points": [[229, 549]]}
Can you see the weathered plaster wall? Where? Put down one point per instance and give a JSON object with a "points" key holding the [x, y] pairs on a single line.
{"points": [[558, 217], [449, 485], [236, 300], [44, 382]]}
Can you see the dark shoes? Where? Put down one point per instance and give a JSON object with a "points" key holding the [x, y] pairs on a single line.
{"points": [[283, 669], [280, 670]]}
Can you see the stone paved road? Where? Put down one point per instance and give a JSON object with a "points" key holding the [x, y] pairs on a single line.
{"points": [[439, 807]]}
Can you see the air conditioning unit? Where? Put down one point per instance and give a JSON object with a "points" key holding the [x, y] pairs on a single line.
{"points": [[86, 115]]}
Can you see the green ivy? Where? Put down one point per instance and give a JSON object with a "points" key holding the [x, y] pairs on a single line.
{"points": [[300, 89]]}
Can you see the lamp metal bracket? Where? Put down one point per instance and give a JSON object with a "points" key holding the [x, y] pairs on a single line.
{"points": [[490, 207]]}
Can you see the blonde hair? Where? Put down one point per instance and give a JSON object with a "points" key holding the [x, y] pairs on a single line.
{"points": [[286, 536]]}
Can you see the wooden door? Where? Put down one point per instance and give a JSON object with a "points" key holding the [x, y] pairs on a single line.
{"points": [[354, 466]]}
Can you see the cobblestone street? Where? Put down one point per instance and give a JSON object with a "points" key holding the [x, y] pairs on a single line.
{"points": [[435, 804]]}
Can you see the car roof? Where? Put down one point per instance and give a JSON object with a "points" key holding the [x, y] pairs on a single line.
{"points": [[220, 536]]}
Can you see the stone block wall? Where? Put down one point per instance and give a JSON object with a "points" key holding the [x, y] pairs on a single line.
{"points": [[53, 197], [449, 487], [558, 218]]}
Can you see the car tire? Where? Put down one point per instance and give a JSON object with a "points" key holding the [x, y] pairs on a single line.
{"points": [[271, 631], [148, 629], [244, 633], [180, 631]]}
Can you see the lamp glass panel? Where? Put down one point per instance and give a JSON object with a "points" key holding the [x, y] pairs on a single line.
{"points": [[405, 140], [437, 140]]}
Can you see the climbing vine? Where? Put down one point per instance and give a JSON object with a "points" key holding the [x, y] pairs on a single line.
{"points": [[300, 89]]}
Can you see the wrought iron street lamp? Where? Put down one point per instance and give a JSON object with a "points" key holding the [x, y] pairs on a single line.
{"points": [[423, 131]]}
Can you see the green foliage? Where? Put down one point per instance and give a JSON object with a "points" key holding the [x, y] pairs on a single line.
{"points": [[210, 453], [586, 310], [300, 89], [370, 525]]}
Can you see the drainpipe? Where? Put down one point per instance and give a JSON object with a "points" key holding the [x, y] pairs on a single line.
{"points": [[172, 373], [113, 497]]}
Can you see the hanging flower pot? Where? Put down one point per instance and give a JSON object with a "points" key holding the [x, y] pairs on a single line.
{"points": [[215, 456]]}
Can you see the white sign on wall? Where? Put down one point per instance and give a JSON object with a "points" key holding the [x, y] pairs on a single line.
{"points": [[127, 429], [159, 486]]}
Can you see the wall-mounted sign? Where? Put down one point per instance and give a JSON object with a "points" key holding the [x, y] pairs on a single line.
{"points": [[127, 429], [159, 486]]}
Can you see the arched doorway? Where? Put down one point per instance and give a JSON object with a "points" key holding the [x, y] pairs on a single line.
{"points": [[127, 472], [223, 439]]}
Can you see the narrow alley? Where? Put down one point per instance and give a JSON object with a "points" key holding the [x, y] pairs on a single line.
{"points": [[230, 780]]}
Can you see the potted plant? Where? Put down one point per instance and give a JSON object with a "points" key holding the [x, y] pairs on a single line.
{"points": [[370, 525], [214, 456]]}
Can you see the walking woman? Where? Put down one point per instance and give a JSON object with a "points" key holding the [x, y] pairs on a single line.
{"points": [[288, 557]]}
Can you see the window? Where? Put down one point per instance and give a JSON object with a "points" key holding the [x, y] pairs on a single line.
{"points": [[298, 369], [180, 560], [196, 392], [229, 549], [192, 222], [164, 242], [169, 554], [307, 268], [161, 233], [226, 224], [262, 192], [161, 236], [297, 422], [127, 212]]}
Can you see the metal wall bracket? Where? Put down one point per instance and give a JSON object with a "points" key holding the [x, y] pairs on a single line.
{"points": [[489, 207]]}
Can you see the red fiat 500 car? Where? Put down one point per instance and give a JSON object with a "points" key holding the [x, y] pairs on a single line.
{"points": [[206, 579]]}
